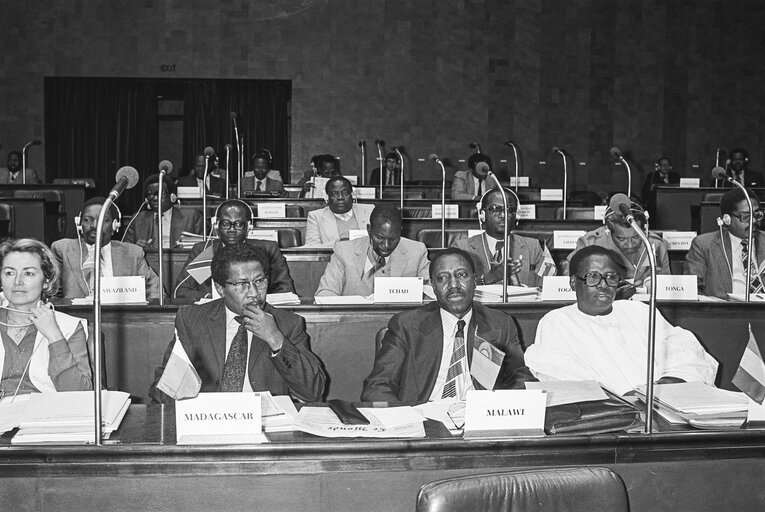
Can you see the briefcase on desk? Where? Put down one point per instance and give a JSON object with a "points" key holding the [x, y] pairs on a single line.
{"points": [[597, 417]]}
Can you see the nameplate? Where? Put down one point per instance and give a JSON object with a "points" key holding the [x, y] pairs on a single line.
{"points": [[566, 239], [527, 211], [474, 232], [219, 418], [365, 192], [452, 211], [319, 190], [271, 210], [676, 287], [551, 194], [398, 289], [678, 240], [690, 182], [599, 211], [505, 413], [523, 181], [123, 290], [352, 178], [557, 288], [264, 234], [188, 193], [353, 234]]}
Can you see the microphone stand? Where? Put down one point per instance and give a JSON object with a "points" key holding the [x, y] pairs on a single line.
{"points": [[750, 237], [228, 158], [629, 176], [504, 234], [565, 180], [380, 167], [401, 177], [517, 167], [363, 148], [204, 199], [240, 175], [443, 203], [161, 241], [24, 162]]}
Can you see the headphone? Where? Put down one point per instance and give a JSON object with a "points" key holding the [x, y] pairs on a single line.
{"points": [[479, 204], [265, 154], [641, 215], [228, 203], [725, 220], [116, 223]]}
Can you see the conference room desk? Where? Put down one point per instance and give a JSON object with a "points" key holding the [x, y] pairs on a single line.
{"points": [[681, 471], [673, 206], [135, 337]]}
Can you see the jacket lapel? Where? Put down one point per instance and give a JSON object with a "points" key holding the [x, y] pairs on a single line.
{"points": [[76, 261], [398, 260], [723, 246], [429, 352], [329, 225], [216, 332]]}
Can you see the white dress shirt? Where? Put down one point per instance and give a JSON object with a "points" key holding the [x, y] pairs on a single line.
{"points": [[464, 382], [232, 326]]}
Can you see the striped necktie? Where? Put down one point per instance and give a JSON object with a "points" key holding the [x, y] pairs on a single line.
{"points": [[155, 232], [455, 364], [236, 362], [755, 284], [496, 259]]}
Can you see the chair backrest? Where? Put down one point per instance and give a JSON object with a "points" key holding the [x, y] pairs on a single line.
{"points": [[290, 237], [6, 220], [417, 212], [379, 337], [576, 212], [50, 195], [712, 197], [294, 210], [588, 489], [432, 237]]}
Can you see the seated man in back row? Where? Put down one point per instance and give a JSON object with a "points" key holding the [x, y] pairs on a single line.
{"points": [[335, 221], [605, 340], [384, 253], [427, 353], [527, 262], [233, 223]]}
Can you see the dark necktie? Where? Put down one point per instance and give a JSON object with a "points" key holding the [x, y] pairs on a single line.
{"points": [[258, 186], [455, 363], [497, 258], [155, 232], [755, 285], [236, 361]]}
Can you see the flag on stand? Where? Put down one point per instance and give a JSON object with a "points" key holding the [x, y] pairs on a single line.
{"points": [[750, 376]]}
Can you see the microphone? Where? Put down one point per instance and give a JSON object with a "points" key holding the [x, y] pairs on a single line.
{"points": [[227, 147], [556, 149], [166, 166], [616, 153], [476, 146], [508, 142], [482, 168], [380, 142], [719, 173], [233, 118], [209, 151], [127, 177], [435, 158], [621, 203], [362, 143]]}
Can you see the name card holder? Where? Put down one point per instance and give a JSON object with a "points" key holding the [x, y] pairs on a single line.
{"points": [[356, 233], [551, 194], [365, 192], [396, 290], [189, 193], [219, 418], [676, 287], [678, 240], [527, 212], [690, 182], [271, 210], [319, 188], [123, 290], [566, 239], [523, 181], [264, 234], [599, 211], [557, 288], [452, 211], [505, 413]]}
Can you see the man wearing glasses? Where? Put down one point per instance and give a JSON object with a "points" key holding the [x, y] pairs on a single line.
{"points": [[605, 340], [233, 222], [527, 261], [719, 258], [239, 342], [143, 229], [341, 215]]}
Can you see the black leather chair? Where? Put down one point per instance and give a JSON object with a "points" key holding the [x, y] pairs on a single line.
{"points": [[52, 197], [585, 489], [576, 212], [290, 237], [6, 220]]}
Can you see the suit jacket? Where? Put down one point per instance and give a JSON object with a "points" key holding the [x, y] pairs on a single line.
{"points": [[529, 248], [752, 179], [463, 186], [180, 221], [217, 185], [5, 177], [272, 185], [654, 179], [321, 227], [346, 266], [201, 330], [707, 259], [127, 260], [374, 177], [407, 362], [279, 280]]}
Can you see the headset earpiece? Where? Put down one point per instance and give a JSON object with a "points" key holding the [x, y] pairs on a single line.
{"points": [[726, 220], [117, 223], [77, 224], [173, 198]]}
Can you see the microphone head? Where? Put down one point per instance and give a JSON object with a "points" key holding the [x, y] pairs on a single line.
{"points": [[227, 147], [619, 203], [36, 142], [362, 143], [128, 173], [615, 152], [482, 168], [209, 151], [166, 165], [233, 116], [508, 142], [556, 149], [472, 145], [719, 173], [434, 157], [380, 142]]}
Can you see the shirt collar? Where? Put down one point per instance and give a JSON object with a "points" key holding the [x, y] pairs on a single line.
{"points": [[449, 321], [230, 316], [344, 216]]}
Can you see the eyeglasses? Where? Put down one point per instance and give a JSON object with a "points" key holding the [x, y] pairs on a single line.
{"points": [[340, 194], [594, 278], [744, 216], [497, 209], [243, 287], [154, 193], [226, 224]]}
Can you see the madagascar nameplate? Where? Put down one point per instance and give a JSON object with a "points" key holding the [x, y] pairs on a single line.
{"points": [[505, 413], [219, 418], [398, 289]]}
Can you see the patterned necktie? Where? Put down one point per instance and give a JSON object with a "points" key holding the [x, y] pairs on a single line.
{"points": [[755, 285], [377, 266], [155, 233], [455, 364], [236, 361], [497, 257], [258, 186]]}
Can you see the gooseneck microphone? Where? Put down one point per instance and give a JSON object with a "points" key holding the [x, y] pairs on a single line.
{"points": [[483, 167], [35, 142], [718, 173], [165, 166], [228, 163], [617, 154], [476, 146], [556, 149], [208, 152], [621, 203], [127, 177], [397, 149], [239, 156], [434, 158], [380, 145], [517, 163], [363, 149]]}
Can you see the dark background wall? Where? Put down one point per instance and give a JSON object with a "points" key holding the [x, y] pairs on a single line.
{"points": [[654, 77]]}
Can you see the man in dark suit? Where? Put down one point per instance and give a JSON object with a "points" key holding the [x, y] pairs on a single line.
{"points": [[662, 175], [143, 229], [427, 353], [233, 222], [391, 171], [739, 171], [239, 342], [215, 183], [717, 257], [257, 181]]}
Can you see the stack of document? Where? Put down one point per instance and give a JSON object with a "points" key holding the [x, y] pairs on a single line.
{"points": [[286, 298], [331, 300], [493, 293], [277, 412], [699, 405], [62, 418], [383, 423], [188, 240]]}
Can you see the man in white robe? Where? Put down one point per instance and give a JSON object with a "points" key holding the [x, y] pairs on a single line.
{"points": [[599, 339]]}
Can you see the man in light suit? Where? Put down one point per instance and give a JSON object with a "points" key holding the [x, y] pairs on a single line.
{"points": [[418, 356], [355, 263], [471, 184], [143, 230], [75, 256], [334, 222], [717, 257], [239, 342], [527, 262], [12, 173]]}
